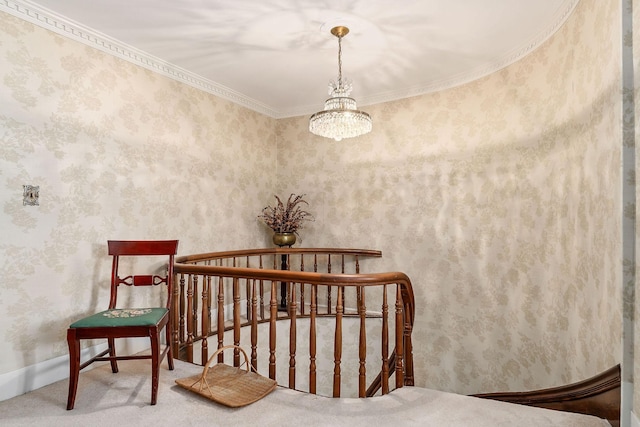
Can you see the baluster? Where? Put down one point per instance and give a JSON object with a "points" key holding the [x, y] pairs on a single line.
{"points": [[181, 321], [337, 345], [315, 265], [312, 339], [408, 346], [254, 327], [385, 342], [344, 295], [302, 286], [220, 324], [261, 293], [236, 319], [248, 293], [329, 287], [190, 319], [272, 331], [357, 265], [292, 337], [362, 310], [196, 304], [204, 353], [399, 339], [174, 315], [209, 303]]}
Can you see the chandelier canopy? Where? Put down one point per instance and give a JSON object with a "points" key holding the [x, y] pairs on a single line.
{"points": [[340, 118]]}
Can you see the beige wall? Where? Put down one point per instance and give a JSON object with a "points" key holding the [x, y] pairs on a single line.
{"points": [[499, 198], [632, 134], [118, 152]]}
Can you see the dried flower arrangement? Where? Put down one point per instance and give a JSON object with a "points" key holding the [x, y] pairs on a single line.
{"points": [[286, 218]]}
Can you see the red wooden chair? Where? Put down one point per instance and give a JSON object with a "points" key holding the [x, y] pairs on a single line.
{"points": [[127, 322]]}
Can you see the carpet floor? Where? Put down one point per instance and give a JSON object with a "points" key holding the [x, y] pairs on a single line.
{"points": [[106, 399]]}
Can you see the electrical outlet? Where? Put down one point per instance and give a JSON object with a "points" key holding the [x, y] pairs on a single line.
{"points": [[30, 195]]}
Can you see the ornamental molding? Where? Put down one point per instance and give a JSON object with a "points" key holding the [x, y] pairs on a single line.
{"points": [[73, 30], [46, 19]]}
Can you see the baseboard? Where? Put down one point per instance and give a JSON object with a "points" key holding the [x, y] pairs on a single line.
{"points": [[634, 420], [21, 381]]}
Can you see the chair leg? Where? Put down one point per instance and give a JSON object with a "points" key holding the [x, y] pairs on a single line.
{"points": [[112, 353], [74, 367], [155, 364], [169, 351]]}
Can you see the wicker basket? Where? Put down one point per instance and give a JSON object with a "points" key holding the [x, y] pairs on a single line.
{"points": [[228, 385]]}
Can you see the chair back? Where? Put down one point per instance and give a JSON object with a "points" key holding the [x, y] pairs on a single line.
{"points": [[121, 248]]}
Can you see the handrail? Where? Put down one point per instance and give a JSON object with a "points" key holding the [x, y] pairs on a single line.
{"points": [[202, 286], [270, 251], [297, 276]]}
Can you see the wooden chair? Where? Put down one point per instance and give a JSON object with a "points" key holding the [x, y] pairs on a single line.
{"points": [[127, 322]]}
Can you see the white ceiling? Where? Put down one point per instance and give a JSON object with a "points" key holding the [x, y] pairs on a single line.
{"points": [[277, 56]]}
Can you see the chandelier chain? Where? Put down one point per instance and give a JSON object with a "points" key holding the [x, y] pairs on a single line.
{"points": [[340, 61]]}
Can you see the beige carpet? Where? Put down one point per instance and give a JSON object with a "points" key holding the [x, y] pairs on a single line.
{"points": [[106, 399]]}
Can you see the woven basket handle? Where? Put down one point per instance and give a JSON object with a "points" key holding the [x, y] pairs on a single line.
{"points": [[220, 350]]}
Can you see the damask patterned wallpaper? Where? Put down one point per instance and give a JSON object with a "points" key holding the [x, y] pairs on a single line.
{"points": [[631, 117], [499, 198], [118, 153]]}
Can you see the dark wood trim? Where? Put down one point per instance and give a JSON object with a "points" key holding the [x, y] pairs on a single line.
{"points": [[598, 396]]}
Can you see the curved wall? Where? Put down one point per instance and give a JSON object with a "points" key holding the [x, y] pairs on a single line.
{"points": [[501, 200], [118, 152]]}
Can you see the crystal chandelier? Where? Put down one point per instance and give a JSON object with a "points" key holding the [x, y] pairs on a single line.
{"points": [[340, 117]]}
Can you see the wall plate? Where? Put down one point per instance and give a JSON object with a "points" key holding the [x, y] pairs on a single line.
{"points": [[30, 195]]}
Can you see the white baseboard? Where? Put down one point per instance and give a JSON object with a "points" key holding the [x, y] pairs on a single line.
{"points": [[634, 420], [21, 381]]}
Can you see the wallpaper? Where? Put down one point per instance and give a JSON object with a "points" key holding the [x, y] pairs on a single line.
{"points": [[631, 110], [118, 153], [500, 198]]}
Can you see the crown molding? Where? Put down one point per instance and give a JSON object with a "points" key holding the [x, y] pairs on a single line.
{"points": [[49, 20]]}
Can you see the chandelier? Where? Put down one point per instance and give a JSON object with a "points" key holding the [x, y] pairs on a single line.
{"points": [[340, 118]]}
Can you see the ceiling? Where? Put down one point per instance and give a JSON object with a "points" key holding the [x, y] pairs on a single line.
{"points": [[278, 56]]}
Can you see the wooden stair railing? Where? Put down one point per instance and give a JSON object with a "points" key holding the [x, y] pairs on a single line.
{"points": [[227, 291], [599, 396]]}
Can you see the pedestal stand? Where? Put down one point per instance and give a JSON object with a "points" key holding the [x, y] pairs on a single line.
{"points": [[283, 239]]}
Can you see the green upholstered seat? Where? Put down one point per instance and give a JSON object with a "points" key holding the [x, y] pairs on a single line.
{"points": [[122, 317]]}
